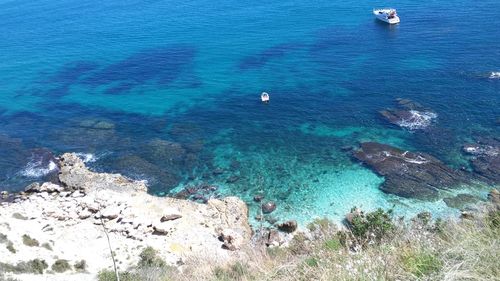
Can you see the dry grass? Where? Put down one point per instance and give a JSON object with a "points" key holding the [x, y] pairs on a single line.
{"points": [[451, 250]]}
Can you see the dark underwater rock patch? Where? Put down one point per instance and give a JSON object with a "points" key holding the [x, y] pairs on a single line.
{"points": [[409, 174], [409, 114], [262, 58], [161, 66], [460, 201], [485, 159]]}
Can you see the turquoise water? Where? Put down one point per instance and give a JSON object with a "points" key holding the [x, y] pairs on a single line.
{"points": [[192, 72]]}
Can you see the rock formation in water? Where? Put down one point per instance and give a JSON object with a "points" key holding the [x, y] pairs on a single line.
{"points": [[409, 114], [485, 159], [68, 220], [409, 174]]}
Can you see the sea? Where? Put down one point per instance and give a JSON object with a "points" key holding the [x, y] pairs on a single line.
{"points": [[169, 92]]}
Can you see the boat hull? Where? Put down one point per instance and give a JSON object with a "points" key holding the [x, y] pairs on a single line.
{"points": [[383, 17]]}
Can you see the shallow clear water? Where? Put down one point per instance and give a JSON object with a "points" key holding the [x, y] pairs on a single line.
{"points": [[192, 73]]}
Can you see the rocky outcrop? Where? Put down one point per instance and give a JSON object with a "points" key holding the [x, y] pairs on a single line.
{"points": [[485, 159], [71, 217], [409, 174], [409, 114]]}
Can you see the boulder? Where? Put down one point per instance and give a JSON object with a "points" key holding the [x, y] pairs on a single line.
{"points": [[232, 239], [268, 207], [485, 159], [111, 212], [288, 226], [409, 174], [258, 197], [170, 214], [460, 201], [409, 115], [494, 197]]}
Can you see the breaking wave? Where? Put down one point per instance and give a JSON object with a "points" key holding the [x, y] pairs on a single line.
{"points": [[37, 169], [87, 157], [495, 75], [417, 120]]}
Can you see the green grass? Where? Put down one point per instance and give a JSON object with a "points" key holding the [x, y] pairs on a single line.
{"points": [[420, 263], [333, 244]]}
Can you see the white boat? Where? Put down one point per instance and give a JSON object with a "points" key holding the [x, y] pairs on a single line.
{"points": [[264, 97], [387, 15]]}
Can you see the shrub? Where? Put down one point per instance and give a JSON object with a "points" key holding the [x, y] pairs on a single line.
{"points": [[235, 272], [299, 244], [61, 266], [312, 262], [47, 246], [3, 238], [421, 263], [36, 266], [378, 224], [109, 275], [493, 219], [19, 216], [30, 242], [149, 258], [333, 244], [80, 266], [10, 247]]}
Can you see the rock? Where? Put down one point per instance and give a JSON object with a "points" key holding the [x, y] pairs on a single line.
{"points": [[409, 174], [273, 238], [268, 207], [494, 197], [111, 212], [84, 214], [351, 215], [170, 214], [409, 115], [424, 217], [288, 226], [33, 187], [162, 228], [232, 179], [164, 153], [466, 215], [97, 124], [232, 239], [74, 175], [486, 159], [258, 197], [460, 201], [50, 187], [218, 171]]}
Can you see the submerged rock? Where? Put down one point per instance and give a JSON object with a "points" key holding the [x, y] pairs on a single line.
{"points": [[409, 115], [485, 159], [268, 207], [409, 174], [460, 201]]}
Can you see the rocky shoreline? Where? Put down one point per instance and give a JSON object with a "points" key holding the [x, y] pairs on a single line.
{"points": [[69, 221]]}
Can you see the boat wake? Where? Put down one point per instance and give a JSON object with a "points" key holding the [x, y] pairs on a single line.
{"points": [[417, 120]]}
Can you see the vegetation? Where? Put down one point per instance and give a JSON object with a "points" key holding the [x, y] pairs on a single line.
{"points": [[10, 247], [35, 266], [30, 242], [60, 266], [80, 266], [372, 226], [47, 246], [149, 258]]}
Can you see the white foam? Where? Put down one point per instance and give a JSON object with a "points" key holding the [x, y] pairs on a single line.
{"points": [[495, 75], [34, 169], [418, 120], [87, 157]]}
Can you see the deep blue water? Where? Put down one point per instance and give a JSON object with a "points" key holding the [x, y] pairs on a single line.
{"points": [[191, 73]]}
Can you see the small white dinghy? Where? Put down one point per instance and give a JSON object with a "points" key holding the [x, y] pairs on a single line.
{"points": [[264, 97], [387, 15]]}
